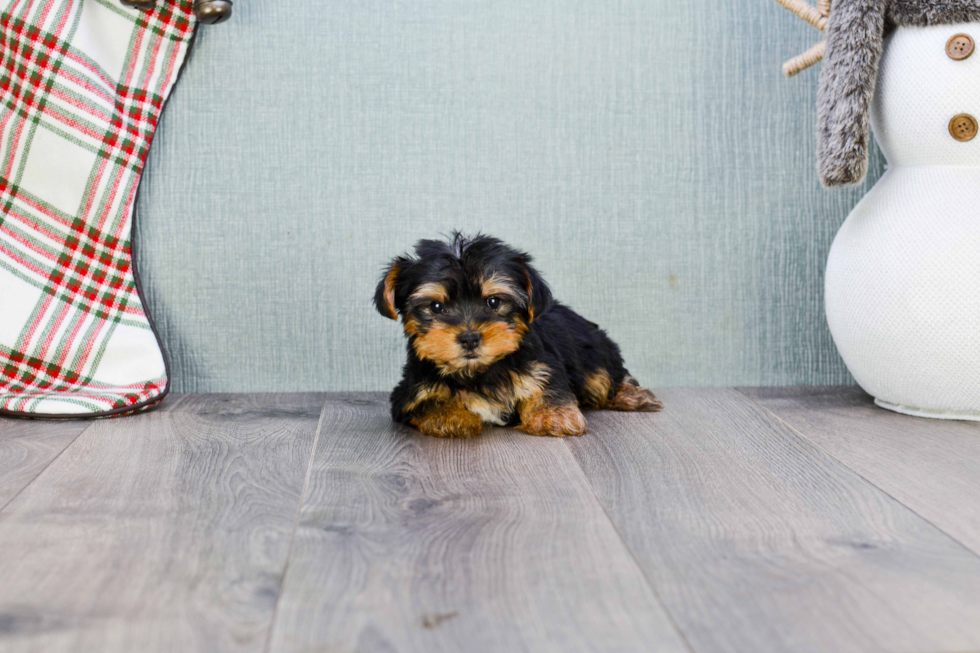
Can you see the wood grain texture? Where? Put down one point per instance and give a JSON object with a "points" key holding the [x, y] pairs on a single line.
{"points": [[932, 466], [163, 531], [757, 541], [413, 543], [27, 447]]}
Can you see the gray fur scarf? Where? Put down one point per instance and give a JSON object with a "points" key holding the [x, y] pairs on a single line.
{"points": [[855, 31]]}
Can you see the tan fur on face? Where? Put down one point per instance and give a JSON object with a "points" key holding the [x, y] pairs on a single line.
{"points": [[440, 345], [448, 419], [629, 396], [496, 285], [435, 292], [596, 391], [538, 417], [499, 339], [411, 326]]}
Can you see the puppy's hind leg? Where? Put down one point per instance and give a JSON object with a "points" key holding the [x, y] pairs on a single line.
{"points": [[629, 396]]}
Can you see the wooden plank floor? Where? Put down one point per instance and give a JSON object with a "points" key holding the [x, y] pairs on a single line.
{"points": [[790, 519]]}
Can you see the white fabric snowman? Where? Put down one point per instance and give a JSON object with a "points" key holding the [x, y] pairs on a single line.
{"points": [[902, 286]]}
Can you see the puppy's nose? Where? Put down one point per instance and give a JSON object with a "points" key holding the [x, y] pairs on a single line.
{"points": [[469, 340]]}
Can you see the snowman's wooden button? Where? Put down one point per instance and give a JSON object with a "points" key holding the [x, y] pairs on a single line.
{"points": [[963, 127], [960, 46]]}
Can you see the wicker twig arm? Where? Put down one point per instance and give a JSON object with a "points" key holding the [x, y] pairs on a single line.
{"points": [[815, 16]]}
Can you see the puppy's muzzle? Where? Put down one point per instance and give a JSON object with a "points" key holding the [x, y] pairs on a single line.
{"points": [[469, 340]]}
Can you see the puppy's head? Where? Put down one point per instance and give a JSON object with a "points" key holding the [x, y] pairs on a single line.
{"points": [[464, 303]]}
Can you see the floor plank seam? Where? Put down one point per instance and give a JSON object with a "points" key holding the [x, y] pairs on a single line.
{"points": [[864, 478], [299, 513], [653, 588], [45, 468]]}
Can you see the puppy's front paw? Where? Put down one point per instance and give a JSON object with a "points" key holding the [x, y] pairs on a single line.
{"points": [[449, 420], [557, 421]]}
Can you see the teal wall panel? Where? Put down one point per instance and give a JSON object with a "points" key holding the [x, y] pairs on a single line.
{"points": [[648, 153]]}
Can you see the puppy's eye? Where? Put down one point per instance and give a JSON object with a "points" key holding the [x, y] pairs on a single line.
{"points": [[493, 303], [436, 307]]}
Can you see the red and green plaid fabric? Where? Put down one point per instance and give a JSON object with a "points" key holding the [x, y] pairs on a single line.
{"points": [[82, 84]]}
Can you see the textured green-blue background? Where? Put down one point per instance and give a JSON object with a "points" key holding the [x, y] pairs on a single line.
{"points": [[649, 153]]}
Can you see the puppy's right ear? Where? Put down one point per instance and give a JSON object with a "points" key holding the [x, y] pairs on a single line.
{"points": [[538, 293], [384, 295]]}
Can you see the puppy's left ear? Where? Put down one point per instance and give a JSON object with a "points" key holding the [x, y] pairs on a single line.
{"points": [[538, 292], [384, 295]]}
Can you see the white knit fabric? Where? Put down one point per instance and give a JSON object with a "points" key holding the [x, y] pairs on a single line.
{"points": [[919, 89], [903, 275]]}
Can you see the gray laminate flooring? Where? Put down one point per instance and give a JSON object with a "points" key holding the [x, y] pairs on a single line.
{"points": [[780, 519]]}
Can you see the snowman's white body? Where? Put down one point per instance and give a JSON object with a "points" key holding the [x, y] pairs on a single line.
{"points": [[903, 275]]}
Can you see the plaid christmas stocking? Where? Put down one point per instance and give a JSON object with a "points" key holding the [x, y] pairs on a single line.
{"points": [[82, 84]]}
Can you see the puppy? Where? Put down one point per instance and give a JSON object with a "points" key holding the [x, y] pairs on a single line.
{"points": [[487, 343]]}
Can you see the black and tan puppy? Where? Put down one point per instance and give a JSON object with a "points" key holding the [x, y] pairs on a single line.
{"points": [[487, 343]]}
